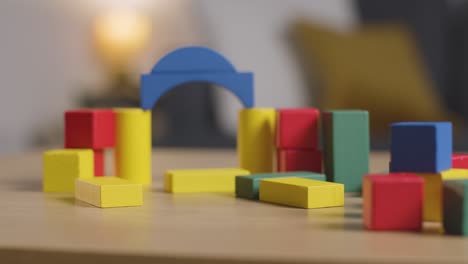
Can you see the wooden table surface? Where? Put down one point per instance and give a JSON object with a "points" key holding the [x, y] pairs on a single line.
{"points": [[196, 228]]}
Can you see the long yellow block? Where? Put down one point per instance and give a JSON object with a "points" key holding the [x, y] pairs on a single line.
{"points": [[133, 145], [62, 166], [255, 139], [433, 191], [202, 180], [300, 192], [109, 191]]}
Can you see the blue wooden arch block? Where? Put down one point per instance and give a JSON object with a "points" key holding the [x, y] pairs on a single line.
{"points": [[195, 64]]}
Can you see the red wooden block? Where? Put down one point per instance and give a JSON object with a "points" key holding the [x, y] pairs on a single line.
{"points": [[393, 201], [98, 162], [460, 161], [90, 128], [297, 128], [299, 160]]}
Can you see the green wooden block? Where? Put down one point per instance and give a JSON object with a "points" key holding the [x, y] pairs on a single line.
{"points": [[455, 204], [346, 147], [247, 185]]}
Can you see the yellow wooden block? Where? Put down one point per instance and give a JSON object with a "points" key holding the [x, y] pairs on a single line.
{"points": [[300, 192], [133, 145], [255, 139], [109, 191], [62, 166], [433, 191], [202, 180]]}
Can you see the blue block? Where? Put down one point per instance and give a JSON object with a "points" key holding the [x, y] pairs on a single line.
{"points": [[195, 64], [421, 147]]}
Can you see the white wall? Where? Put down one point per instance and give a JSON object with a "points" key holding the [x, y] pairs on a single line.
{"points": [[252, 34]]}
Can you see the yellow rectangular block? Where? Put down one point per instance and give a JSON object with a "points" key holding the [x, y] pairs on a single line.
{"points": [[109, 191], [433, 191], [62, 166], [202, 180], [300, 192], [255, 139]]}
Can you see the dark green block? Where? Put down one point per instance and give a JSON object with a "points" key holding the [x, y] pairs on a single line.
{"points": [[346, 147], [247, 185], [455, 207]]}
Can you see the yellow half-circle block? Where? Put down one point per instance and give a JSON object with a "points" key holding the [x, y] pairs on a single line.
{"points": [[300, 192], [106, 192], [202, 180]]}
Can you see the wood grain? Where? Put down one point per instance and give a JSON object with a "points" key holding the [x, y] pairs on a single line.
{"points": [[196, 228]]}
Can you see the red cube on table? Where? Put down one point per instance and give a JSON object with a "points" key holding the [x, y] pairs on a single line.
{"points": [[299, 160], [393, 201]]}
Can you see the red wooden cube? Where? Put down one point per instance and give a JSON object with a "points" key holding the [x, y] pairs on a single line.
{"points": [[299, 160], [90, 128], [297, 128], [393, 201], [460, 161]]}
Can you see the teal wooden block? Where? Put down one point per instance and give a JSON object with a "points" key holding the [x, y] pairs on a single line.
{"points": [[247, 186], [455, 204], [346, 147]]}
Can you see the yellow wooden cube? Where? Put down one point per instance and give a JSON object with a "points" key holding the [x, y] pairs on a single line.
{"points": [[300, 192], [62, 166], [433, 191], [202, 180], [109, 191]]}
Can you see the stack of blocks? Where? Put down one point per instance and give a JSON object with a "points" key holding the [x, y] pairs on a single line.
{"points": [[424, 184], [80, 167], [297, 140], [91, 129], [424, 149]]}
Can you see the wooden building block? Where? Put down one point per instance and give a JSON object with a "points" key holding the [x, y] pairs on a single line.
{"points": [[393, 202], [89, 128], [247, 186], [460, 161], [202, 180], [346, 147], [62, 166], [106, 192], [98, 162], [300, 192], [297, 128], [133, 145], [255, 139], [455, 204], [299, 160], [421, 147], [433, 191]]}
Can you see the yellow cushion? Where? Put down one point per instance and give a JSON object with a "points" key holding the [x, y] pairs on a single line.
{"points": [[377, 68]]}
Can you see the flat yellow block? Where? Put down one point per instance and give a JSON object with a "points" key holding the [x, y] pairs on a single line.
{"points": [[202, 180], [433, 191], [62, 166], [109, 191], [300, 192]]}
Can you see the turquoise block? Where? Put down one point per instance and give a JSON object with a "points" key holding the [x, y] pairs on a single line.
{"points": [[247, 185]]}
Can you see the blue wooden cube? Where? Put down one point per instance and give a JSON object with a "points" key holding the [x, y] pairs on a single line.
{"points": [[421, 146]]}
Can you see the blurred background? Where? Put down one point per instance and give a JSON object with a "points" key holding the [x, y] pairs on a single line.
{"points": [[403, 60]]}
